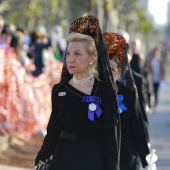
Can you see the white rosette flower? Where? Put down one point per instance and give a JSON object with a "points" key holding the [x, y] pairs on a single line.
{"points": [[151, 159]]}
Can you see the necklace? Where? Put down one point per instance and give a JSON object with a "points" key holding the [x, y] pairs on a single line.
{"points": [[82, 81]]}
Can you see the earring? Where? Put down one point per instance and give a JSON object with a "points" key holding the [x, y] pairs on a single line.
{"points": [[91, 63]]}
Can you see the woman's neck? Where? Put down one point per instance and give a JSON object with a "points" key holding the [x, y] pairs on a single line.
{"points": [[85, 87], [82, 80], [82, 76]]}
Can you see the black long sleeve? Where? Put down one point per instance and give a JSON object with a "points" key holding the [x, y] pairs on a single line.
{"points": [[141, 88], [53, 132], [139, 134], [110, 140]]}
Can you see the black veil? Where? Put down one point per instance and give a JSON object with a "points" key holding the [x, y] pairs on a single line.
{"points": [[118, 47]]}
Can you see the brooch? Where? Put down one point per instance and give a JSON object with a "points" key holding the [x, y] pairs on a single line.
{"points": [[93, 106], [61, 93]]}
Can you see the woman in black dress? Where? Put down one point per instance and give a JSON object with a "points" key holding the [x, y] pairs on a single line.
{"points": [[133, 136], [82, 130]]}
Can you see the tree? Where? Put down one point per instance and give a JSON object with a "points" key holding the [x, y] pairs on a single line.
{"points": [[112, 14]]}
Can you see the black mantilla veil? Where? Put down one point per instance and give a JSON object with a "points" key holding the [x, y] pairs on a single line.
{"points": [[117, 46], [126, 77], [89, 25]]}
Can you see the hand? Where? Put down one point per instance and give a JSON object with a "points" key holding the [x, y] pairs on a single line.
{"points": [[149, 145], [152, 157], [151, 167], [35, 168]]}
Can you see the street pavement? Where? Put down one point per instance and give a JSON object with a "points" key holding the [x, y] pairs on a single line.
{"points": [[159, 129]]}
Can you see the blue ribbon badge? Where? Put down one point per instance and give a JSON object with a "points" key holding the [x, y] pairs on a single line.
{"points": [[121, 105], [93, 106]]}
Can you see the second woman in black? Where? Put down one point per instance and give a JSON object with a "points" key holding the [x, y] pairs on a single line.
{"points": [[133, 136]]}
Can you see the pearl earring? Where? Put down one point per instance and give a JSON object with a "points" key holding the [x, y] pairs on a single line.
{"points": [[91, 63]]}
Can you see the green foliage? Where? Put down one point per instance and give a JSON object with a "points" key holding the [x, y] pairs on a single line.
{"points": [[143, 22], [30, 13], [23, 12], [34, 9], [109, 4], [146, 26]]}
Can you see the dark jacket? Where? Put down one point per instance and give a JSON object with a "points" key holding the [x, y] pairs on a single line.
{"points": [[133, 136], [73, 139], [37, 51], [135, 63], [142, 93]]}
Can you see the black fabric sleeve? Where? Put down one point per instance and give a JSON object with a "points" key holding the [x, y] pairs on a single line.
{"points": [[53, 132], [110, 141], [142, 102], [138, 132]]}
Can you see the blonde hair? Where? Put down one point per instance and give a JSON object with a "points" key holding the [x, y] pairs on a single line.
{"points": [[91, 48]]}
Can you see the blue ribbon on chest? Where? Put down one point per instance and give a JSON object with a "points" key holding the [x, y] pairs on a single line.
{"points": [[120, 102], [93, 106]]}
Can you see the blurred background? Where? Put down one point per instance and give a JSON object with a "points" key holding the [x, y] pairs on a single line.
{"points": [[32, 46], [146, 19]]}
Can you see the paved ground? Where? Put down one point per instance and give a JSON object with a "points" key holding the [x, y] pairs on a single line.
{"points": [[159, 125], [160, 128]]}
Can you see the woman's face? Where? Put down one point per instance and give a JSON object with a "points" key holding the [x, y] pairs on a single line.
{"points": [[114, 69], [78, 59]]}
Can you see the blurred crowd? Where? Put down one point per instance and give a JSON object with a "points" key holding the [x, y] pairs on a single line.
{"points": [[31, 63]]}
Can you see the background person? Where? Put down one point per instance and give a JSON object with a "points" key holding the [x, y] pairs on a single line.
{"points": [[157, 69], [133, 135]]}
